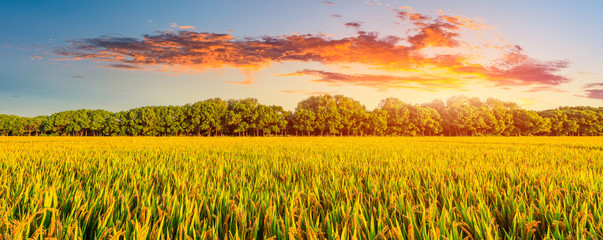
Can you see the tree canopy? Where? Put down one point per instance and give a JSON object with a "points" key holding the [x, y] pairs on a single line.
{"points": [[324, 115]]}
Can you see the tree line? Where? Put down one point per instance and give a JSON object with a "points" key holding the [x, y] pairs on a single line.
{"points": [[325, 115]]}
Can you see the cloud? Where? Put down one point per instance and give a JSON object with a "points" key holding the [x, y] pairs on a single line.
{"points": [[293, 91], [9, 46], [433, 48], [592, 85], [335, 15], [78, 76], [516, 65], [353, 24], [329, 3], [415, 18], [464, 22], [432, 33], [545, 88], [124, 66], [173, 25], [249, 77], [209, 50], [594, 94], [381, 82]]}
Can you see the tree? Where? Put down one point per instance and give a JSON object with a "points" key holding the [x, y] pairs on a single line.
{"points": [[398, 121], [194, 118], [333, 121], [216, 115], [348, 116], [326, 111], [134, 122], [97, 119], [11, 125], [316, 115], [529, 123], [111, 127], [304, 121], [561, 125], [360, 123], [377, 122], [427, 120]]}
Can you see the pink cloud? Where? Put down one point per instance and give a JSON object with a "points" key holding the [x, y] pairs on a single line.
{"points": [[329, 3]]}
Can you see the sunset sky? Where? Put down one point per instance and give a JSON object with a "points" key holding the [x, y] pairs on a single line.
{"points": [[117, 55]]}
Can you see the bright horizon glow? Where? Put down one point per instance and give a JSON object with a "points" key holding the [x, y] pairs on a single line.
{"points": [[64, 56]]}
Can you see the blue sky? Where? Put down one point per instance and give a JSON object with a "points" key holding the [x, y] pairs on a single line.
{"points": [[557, 63]]}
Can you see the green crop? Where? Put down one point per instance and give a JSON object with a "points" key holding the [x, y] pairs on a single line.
{"points": [[301, 188]]}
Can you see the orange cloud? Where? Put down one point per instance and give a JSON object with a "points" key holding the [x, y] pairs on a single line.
{"points": [[444, 67], [248, 81], [181, 27], [464, 22], [382, 82], [414, 17]]}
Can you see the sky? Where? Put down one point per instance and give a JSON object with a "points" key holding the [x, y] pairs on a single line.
{"points": [[116, 55]]}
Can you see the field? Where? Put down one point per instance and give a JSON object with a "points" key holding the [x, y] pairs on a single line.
{"points": [[301, 188]]}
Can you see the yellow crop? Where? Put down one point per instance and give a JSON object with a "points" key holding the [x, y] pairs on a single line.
{"points": [[301, 188]]}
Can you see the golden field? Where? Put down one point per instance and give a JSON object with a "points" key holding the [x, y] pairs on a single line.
{"points": [[301, 188]]}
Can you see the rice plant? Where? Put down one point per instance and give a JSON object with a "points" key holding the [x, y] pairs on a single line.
{"points": [[301, 188]]}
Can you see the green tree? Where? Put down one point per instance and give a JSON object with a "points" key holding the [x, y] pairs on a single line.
{"points": [[377, 122], [304, 121], [398, 113], [529, 123]]}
